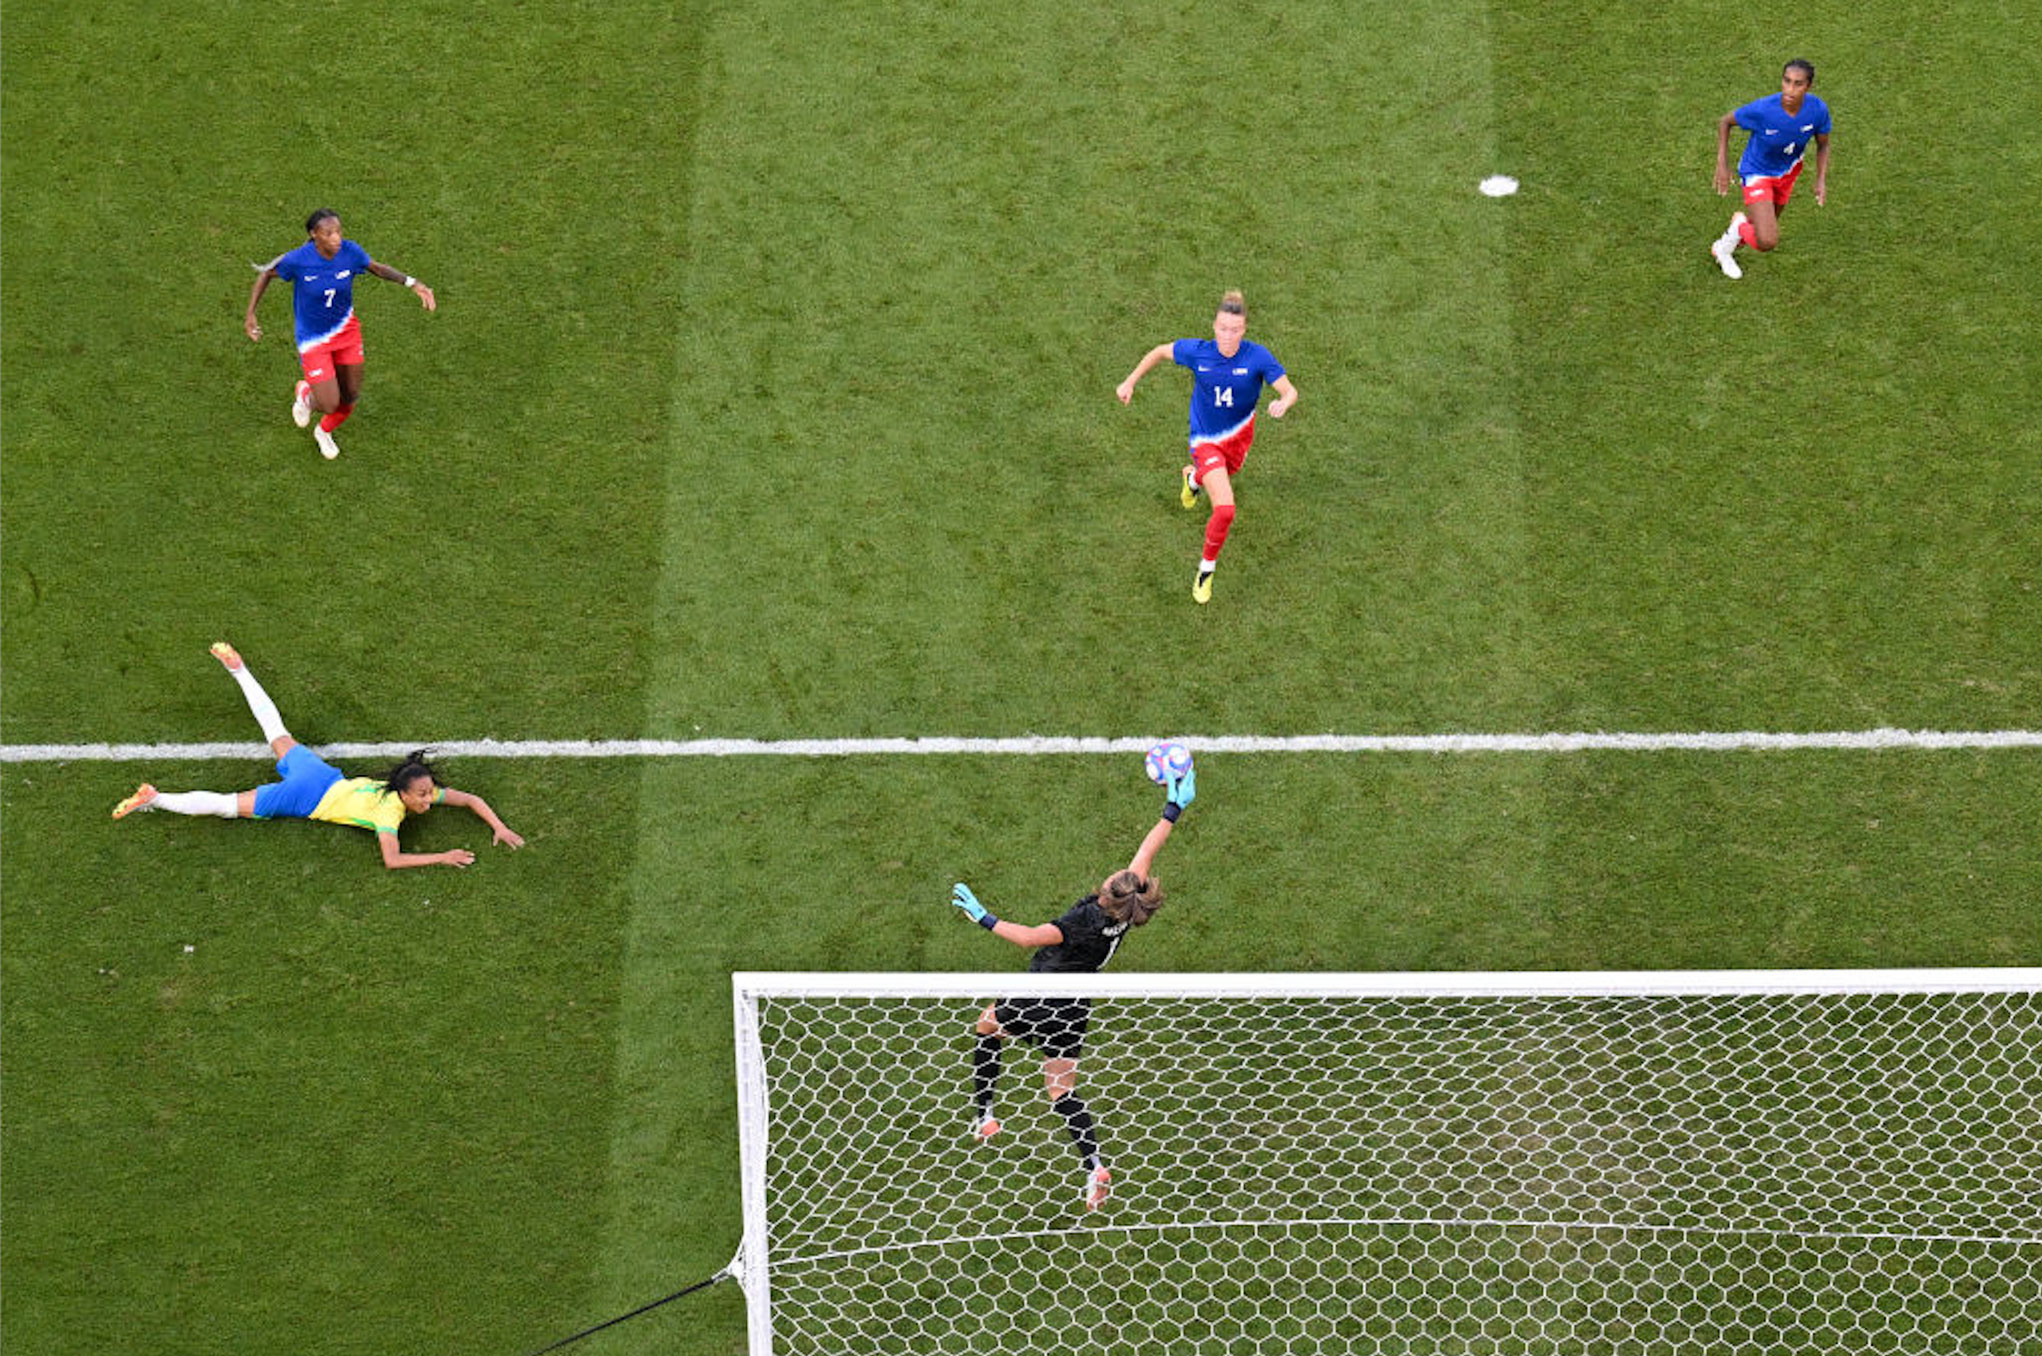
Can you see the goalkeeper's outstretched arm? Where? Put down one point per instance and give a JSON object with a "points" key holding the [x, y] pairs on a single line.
{"points": [[1180, 792]]}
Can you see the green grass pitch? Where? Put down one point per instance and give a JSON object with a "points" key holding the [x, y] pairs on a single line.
{"points": [[771, 396]]}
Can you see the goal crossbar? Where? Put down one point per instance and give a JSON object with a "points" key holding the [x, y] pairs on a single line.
{"points": [[1436, 984]]}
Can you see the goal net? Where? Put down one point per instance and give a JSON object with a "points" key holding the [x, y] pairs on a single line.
{"points": [[1736, 1162]]}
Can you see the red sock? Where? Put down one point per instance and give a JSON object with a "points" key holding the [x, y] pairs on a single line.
{"points": [[1216, 529], [336, 419], [1747, 234]]}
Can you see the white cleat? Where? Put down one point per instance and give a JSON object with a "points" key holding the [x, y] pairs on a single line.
{"points": [[1721, 251], [328, 448], [301, 404], [1098, 1186]]}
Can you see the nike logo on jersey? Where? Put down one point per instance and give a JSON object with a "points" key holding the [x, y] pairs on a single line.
{"points": [[342, 274], [1809, 128], [1203, 368]]}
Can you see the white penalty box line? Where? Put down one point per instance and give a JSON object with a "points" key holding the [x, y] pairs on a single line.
{"points": [[1038, 745]]}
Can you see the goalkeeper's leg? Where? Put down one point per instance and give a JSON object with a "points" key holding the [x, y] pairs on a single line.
{"points": [[985, 1075], [1060, 1081]]}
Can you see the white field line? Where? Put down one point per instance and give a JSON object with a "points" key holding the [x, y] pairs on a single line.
{"points": [[1750, 740]]}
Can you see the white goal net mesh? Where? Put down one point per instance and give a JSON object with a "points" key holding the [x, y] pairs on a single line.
{"points": [[1352, 1172]]}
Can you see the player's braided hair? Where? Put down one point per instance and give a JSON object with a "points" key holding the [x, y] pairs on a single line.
{"points": [[1131, 899], [312, 222], [1805, 65]]}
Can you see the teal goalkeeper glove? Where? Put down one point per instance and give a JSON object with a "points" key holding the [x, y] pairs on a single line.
{"points": [[963, 898], [1182, 791]]}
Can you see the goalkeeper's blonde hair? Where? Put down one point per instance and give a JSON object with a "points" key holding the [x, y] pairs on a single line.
{"points": [[1130, 898]]}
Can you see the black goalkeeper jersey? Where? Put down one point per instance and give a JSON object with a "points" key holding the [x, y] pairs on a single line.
{"points": [[1090, 939]]}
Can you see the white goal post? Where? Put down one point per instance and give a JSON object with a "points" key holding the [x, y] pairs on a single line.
{"points": [[1779, 1162]]}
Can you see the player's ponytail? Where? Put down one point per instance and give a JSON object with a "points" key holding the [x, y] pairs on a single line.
{"points": [[1131, 899], [1233, 303], [410, 770]]}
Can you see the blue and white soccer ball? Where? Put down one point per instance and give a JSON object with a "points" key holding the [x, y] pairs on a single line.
{"points": [[1167, 760]]}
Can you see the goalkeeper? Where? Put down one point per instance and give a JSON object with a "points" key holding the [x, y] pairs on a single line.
{"points": [[1080, 942]]}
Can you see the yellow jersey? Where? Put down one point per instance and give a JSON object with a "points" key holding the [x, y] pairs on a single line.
{"points": [[365, 803]]}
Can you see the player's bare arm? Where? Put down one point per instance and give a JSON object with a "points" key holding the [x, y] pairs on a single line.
{"points": [[500, 831], [1042, 934], [1821, 169], [249, 324], [1286, 396], [411, 284], [1158, 354], [1724, 125], [396, 857]]}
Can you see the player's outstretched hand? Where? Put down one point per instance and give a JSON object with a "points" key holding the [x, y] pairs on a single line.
{"points": [[963, 898], [1183, 790], [508, 839], [1125, 391]]}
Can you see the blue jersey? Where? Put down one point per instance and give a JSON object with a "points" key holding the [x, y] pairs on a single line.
{"points": [[1778, 139], [322, 289], [1224, 391]]}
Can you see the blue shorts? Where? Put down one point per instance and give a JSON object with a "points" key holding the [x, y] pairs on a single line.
{"points": [[306, 778]]}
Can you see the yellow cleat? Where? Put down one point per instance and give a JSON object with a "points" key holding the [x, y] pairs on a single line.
{"points": [[144, 796], [226, 654], [1189, 495], [1201, 587]]}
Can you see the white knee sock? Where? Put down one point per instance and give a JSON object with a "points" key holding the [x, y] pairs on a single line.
{"points": [[258, 701], [220, 804]]}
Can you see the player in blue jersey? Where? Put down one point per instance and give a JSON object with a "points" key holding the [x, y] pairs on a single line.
{"points": [[1228, 373], [322, 274], [1078, 943], [1781, 126]]}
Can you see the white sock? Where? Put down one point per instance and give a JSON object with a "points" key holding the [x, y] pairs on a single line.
{"points": [[219, 804], [1207, 566], [258, 702]]}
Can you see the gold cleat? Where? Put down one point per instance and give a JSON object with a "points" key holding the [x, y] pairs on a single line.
{"points": [[143, 797]]}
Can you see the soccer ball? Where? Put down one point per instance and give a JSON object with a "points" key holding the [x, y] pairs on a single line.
{"points": [[1166, 761]]}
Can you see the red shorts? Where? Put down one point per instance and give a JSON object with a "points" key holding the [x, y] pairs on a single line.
{"points": [[1229, 452], [1778, 189], [344, 349]]}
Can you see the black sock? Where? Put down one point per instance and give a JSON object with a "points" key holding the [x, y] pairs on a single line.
{"points": [[985, 1072], [1078, 1121]]}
